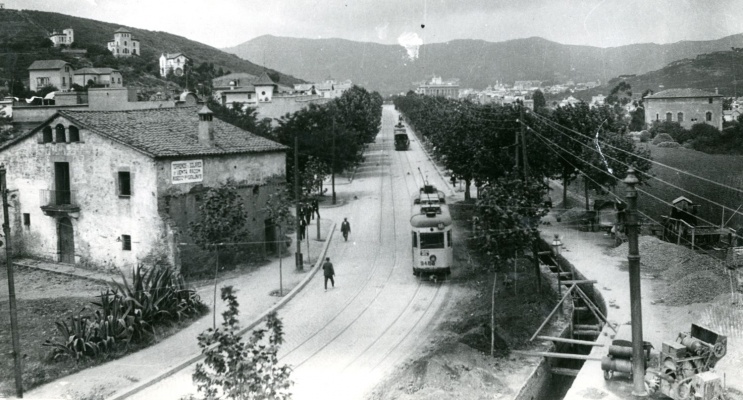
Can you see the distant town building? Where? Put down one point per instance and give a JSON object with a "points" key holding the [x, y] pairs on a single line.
{"points": [[527, 85], [174, 63], [598, 100], [124, 45], [437, 87], [685, 106], [569, 101], [108, 77], [57, 73], [66, 37]]}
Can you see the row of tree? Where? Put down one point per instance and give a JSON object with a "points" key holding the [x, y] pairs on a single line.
{"points": [[508, 152]]}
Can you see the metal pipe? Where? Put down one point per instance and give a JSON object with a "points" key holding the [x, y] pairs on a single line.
{"points": [[638, 357], [556, 355], [571, 341]]}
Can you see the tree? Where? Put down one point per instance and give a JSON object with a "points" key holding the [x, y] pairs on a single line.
{"points": [[539, 100], [313, 175], [44, 90], [235, 369], [221, 218]]}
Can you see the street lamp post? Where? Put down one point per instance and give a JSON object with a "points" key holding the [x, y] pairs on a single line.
{"points": [[635, 292], [556, 244], [298, 255]]}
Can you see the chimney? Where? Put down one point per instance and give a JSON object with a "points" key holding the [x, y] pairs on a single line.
{"points": [[717, 91], [206, 130]]}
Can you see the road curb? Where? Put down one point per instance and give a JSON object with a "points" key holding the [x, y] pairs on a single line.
{"points": [[138, 388]]}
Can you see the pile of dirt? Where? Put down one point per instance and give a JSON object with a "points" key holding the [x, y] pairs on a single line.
{"points": [[691, 277], [699, 287], [659, 256]]}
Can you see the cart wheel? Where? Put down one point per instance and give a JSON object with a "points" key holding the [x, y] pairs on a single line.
{"points": [[607, 375]]}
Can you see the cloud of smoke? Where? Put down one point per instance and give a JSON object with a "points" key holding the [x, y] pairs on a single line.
{"points": [[411, 42]]}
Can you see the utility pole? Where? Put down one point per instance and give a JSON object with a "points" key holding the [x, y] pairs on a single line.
{"points": [[523, 142], [11, 288], [638, 356], [332, 168], [298, 254]]}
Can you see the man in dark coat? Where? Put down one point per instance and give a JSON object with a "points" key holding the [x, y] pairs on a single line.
{"points": [[345, 228], [302, 228], [329, 272], [316, 208]]}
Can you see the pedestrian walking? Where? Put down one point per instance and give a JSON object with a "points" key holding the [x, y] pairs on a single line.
{"points": [[307, 211], [302, 228], [345, 228], [329, 272], [316, 208]]}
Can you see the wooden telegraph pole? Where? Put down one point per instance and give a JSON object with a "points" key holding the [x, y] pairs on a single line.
{"points": [[298, 254], [11, 288]]}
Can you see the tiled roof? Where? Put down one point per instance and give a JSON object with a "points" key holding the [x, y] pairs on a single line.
{"points": [[98, 71], [264, 80], [164, 132], [174, 55], [122, 30], [224, 80], [47, 64], [673, 93], [240, 89]]}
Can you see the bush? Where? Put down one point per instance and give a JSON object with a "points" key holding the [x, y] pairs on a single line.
{"points": [[645, 136], [677, 132], [127, 312], [661, 138], [672, 145]]}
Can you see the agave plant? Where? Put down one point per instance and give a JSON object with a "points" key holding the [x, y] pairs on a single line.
{"points": [[79, 339]]}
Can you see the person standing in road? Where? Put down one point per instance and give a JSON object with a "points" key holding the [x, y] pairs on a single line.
{"points": [[329, 272], [345, 228]]}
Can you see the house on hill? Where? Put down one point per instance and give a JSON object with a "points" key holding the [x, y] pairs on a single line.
{"points": [[108, 189], [259, 90], [174, 63], [57, 73], [66, 37], [685, 106], [107, 77], [124, 45]]}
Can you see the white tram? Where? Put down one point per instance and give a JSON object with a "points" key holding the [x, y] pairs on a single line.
{"points": [[431, 228]]}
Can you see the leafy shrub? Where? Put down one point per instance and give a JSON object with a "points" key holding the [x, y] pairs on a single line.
{"points": [[671, 145], [661, 138], [235, 369], [672, 128], [645, 136]]}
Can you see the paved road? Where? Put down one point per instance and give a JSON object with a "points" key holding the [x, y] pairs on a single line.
{"points": [[343, 341]]}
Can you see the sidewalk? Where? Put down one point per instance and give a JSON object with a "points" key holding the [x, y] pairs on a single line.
{"points": [[587, 251], [127, 375]]}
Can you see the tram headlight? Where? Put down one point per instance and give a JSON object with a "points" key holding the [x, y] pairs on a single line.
{"points": [[441, 225]]}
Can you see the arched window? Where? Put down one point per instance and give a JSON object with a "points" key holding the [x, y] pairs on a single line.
{"points": [[709, 116], [669, 117], [59, 134], [126, 51], [47, 136], [680, 117], [74, 134]]}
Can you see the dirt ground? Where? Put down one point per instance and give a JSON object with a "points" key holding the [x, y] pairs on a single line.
{"points": [[457, 363]]}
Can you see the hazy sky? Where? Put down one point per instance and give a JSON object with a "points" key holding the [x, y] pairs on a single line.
{"points": [[603, 23]]}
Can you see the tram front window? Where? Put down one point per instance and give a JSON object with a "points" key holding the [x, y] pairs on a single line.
{"points": [[432, 240]]}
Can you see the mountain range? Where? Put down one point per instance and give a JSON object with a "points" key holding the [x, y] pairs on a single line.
{"points": [[475, 63]]}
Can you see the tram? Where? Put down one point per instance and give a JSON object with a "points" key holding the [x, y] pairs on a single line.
{"points": [[431, 229], [402, 142]]}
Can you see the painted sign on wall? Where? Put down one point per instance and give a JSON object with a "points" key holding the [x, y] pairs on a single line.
{"points": [[187, 171]]}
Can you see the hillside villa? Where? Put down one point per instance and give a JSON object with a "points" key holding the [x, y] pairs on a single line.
{"points": [[123, 44], [66, 37], [174, 63], [108, 77], [685, 106]]}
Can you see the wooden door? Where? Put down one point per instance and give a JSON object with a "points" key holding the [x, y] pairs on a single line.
{"points": [[65, 241], [62, 183]]}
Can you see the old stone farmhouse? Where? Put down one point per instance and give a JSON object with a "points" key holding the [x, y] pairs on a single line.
{"points": [[685, 106], [109, 188]]}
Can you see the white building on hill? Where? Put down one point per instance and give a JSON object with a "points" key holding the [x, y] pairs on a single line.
{"points": [[66, 37], [124, 45], [174, 63]]}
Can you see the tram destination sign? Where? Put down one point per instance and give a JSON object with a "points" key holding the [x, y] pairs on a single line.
{"points": [[187, 171]]}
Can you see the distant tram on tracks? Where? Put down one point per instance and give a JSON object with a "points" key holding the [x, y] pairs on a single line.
{"points": [[402, 142], [431, 228]]}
